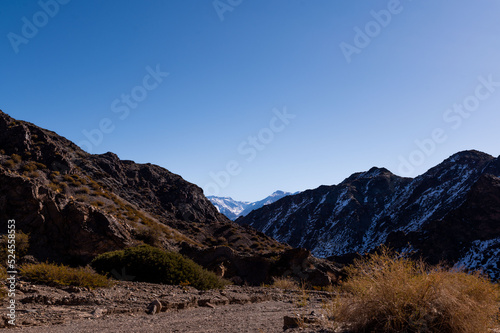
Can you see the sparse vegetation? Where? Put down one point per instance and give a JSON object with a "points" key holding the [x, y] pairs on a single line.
{"points": [[22, 245], [3, 277], [304, 295], [98, 203], [33, 174], [54, 187], [9, 164], [151, 264], [60, 275], [149, 236], [83, 190], [33, 166], [16, 158], [285, 283], [390, 293], [3, 273]]}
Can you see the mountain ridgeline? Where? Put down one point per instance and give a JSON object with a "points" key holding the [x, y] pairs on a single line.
{"points": [[449, 214], [234, 209], [76, 205]]}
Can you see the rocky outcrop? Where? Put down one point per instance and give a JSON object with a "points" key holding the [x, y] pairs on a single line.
{"points": [[60, 228], [76, 205]]}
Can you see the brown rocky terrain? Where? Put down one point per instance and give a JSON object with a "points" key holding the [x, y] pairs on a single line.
{"points": [[75, 205], [96, 203]]}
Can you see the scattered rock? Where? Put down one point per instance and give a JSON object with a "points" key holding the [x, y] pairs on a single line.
{"points": [[209, 305], [99, 312], [313, 318], [292, 322], [154, 307], [72, 289]]}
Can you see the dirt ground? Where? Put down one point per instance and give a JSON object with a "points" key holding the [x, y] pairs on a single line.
{"points": [[123, 307]]}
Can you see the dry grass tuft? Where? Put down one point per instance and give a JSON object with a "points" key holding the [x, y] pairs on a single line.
{"points": [[390, 293], [60, 275], [285, 283]]}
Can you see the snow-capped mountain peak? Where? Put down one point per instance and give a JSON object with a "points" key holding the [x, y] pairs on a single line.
{"points": [[234, 209]]}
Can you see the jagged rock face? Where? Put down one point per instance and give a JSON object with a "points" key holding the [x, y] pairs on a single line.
{"points": [[451, 213], [60, 229], [76, 205], [334, 216]]}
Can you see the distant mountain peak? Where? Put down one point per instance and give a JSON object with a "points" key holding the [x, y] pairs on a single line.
{"points": [[468, 155], [234, 209], [374, 172]]}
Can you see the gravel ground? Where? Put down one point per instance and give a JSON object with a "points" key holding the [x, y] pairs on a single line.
{"points": [[258, 317], [122, 308]]}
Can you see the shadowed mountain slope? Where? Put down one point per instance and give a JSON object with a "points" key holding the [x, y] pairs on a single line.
{"points": [[451, 213]]}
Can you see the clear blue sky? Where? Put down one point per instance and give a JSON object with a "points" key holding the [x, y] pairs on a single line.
{"points": [[225, 78]]}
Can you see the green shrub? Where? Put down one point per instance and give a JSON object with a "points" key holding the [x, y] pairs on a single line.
{"points": [[60, 275], [390, 293], [153, 265]]}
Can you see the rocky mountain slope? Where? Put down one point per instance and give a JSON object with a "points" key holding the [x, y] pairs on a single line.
{"points": [[234, 209], [451, 213], [75, 205]]}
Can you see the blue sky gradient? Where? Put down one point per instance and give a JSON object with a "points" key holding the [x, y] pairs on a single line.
{"points": [[228, 78]]}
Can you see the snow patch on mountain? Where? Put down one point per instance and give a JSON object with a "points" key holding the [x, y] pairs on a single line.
{"points": [[374, 207], [483, 254], [234, 209], [228, 206]]}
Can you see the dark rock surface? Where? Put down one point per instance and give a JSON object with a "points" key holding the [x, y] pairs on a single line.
{"points": [[451, 213], [76, 205]]}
